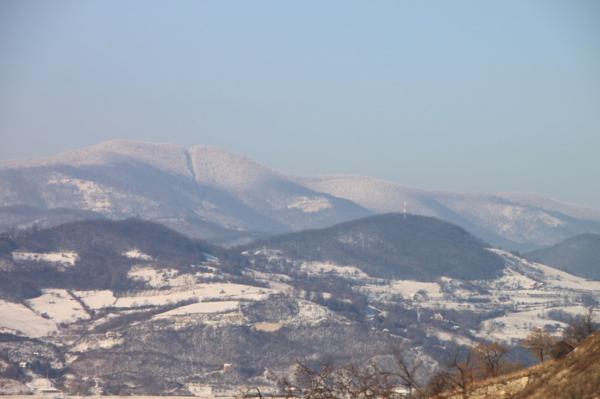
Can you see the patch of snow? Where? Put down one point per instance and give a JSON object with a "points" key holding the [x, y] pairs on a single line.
{"points": [[59, 306], [314, 268], [405, 288], [547, 275], [91, 343], [200, 292], [17, 317], [136, 254], [448, 336], [516, 326], [310, 205], [156, 278], [94, 196], [201, 307], [65, 258], [96, 299], [211, 258]]}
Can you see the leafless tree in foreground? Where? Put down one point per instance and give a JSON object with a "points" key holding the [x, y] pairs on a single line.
{"points": [[353, 381], [581, 326], [489, 358], [539, 342], [461, 372]]}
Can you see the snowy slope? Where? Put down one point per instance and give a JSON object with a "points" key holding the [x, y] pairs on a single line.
{"points": [[517, 221], [211, 193], [203, 191]]}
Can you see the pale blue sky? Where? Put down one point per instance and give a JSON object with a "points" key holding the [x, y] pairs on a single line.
{"points": [[462, 95]]}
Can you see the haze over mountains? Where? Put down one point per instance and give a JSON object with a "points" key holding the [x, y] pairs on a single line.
{"points": [[226, 198], [578, 255]]}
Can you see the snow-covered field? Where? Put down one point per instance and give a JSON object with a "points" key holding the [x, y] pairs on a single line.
{"points": [[19, 318], [201, 308], [136, 254], [404, 288], [314, 268], [199, 292], [66, 258], [59, 306]]}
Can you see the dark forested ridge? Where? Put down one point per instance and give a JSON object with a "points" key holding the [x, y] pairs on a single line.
{"points": [[579, 255], [394, 246]]}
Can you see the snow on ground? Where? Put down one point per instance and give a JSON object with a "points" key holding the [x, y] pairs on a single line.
{"points": [[93, 196], [136, 254], [200, 292], [17, 317], [310, 313], [545, 274], [513, 280], [448, 336], [59, 306], [310, 204], [314, 268], [96, 299], [90, 342], [211, 258], [155, 277], [514, 327], [67, 258], [405, 288], [201, 307]]}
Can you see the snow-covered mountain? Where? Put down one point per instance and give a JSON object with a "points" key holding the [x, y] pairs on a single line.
{"points": [[516, 221], [130, 307], [205, 192], [210, 193]]}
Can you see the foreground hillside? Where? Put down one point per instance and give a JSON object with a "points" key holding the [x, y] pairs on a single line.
{"points": [[217, 195], [575, 376], [131, 307], [578, 255]]}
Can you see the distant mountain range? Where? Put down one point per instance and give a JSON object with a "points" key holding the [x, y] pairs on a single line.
{"points": [[226, 198], [578, 255]]}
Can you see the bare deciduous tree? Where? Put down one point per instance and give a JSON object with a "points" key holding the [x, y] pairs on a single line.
{"points": [[539, 342], [490, 358], [581, 326], [407, 371], [461, 373]]}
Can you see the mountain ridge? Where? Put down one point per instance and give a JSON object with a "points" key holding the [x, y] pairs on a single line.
{"points": [[215, 194], [579, 255]]}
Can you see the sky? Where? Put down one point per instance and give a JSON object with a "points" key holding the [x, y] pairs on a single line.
{"points": [[477, 96]]}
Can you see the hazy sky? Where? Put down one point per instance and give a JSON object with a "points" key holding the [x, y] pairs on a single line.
{"points": [[462, 95]]}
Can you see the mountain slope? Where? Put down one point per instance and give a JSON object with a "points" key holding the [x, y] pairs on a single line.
{"points": [[205, 192], [393, 245], [574, 376], [213, 194], [515, 221], [92, 255], [579, 255]]}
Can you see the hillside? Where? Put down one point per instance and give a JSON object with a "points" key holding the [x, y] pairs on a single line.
{"points": [[575, 376], [94, 254], [202, 191], [514, 221], [579, 255], [393, 246], [131, 307]]}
